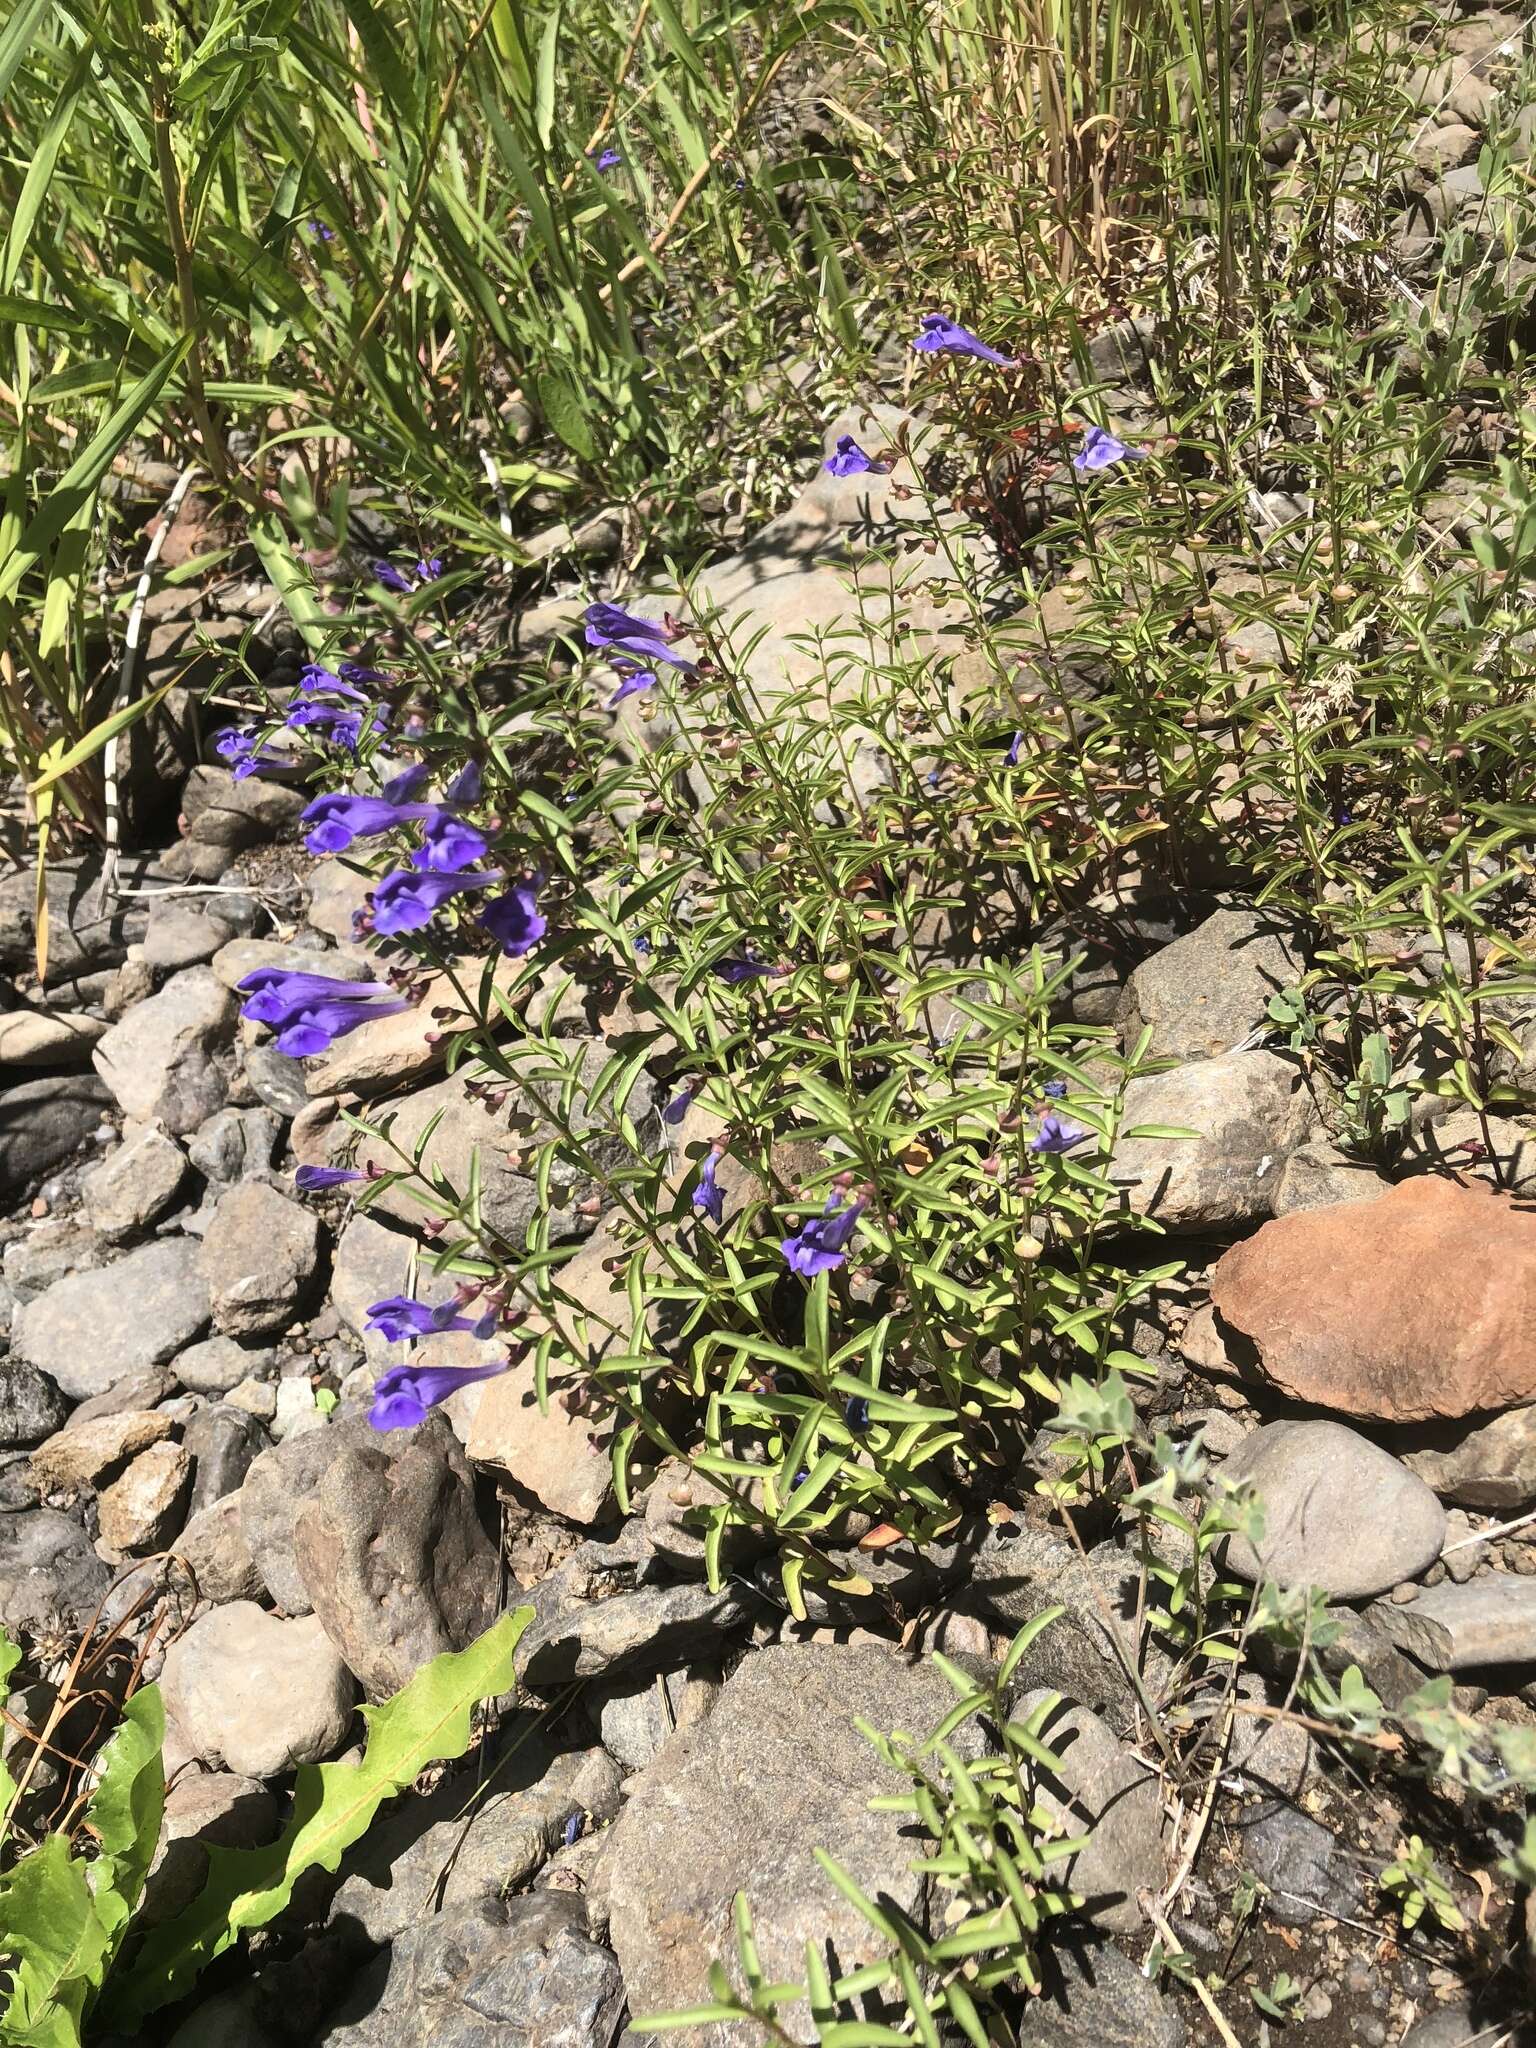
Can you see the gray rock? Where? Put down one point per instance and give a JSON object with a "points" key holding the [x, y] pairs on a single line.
{"points": [[1316, 1175], [31, 1406], [214, 1549], [224, 1443], [223, 812], [43, 1122], [1490, 1465], [50, 1578], [1340, 1512], [160, 1060], [260, 1256], [223, 2021], [47, 1038], [135, 1184], [1207, 993], [1094, 1996], [1249, 1112], [277, 1079], [523, 1973], [89, 1452], [1307, 1874], [203, 1810], [140, 1390], [1099, 1787], [393, 1557], [1455, 2027], [254, 1694], [218, 1364], [93, 1329], [637, 1717], [179, 935], [234, 1144], [740, 1803], [141, 1511], [81, 936], [594, 1614], [1489, 1621], [50, 1251], [279, 1482], [444, 1851], [243, 956]]}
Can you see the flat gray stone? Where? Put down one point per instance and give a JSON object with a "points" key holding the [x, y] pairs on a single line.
{"points": [[594, 1614], [159, 1060], [1491, 1464], [1307, 1873], [1094, 1996], [1101, 1791], [1340, 1512], [1207, 993], [218, 1364], [260, 1256], [135, 1184], [43, 1122], [254, 1694], [50, 1577], [93, 1329], [1489, 1621]]}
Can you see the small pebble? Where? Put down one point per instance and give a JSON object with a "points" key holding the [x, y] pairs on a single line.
{"points": [[1403, 1596]]}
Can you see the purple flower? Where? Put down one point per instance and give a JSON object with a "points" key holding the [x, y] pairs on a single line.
{"points": [[609, 625], [359, 672], [572, 1831], [429, 570], [407, 901], [1056, 1134], [850, 459], [1100, 449], [403, 1394], [678, 1107], [448, 845], [1055, 1089], [245, 753], [335, 821], [939, 335], [631, 682], [310, 1180], [709, 1196], [405, 787], [822, 1243], [735, 971], [466, 786], [310, 1011], [321, 232], [341, 728], [398, 1319], [315, 681], [608, 160], [515, 920], [403, 582], [1015, 748], [856, 1413]]}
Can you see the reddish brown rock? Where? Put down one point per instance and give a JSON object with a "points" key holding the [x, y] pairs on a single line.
{"points": [[1418, 1305]]}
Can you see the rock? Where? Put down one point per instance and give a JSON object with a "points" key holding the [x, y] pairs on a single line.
{"points": [[135, 1184], [393, 1557], [223, 2021], [139, 1390], [1093, 1996], [386, 1053], [1495, 1149], [179, 935], [638, 1716], [224, 1443], [256, 1695], [1453, 2027], [93, 1329], [1250, 1113], [1488, 1622], [142, 1511], [1272, 1758], [1436, 150], [232, 963], [740, 1802], [51, 1250], [91, 1451], [218, 1364], [1098, 1786], [1489, 1465], [42, 1122], [50, 1578], [673, 1529], [1307, 1874], [203, 1810], [235, 1145], [373, 1262], [277, 1081], [1419, 1304], [444, 1851], [256, 1397], [549, 1456], [1316, 1175], [81, 936], [159, 1061], [214, 1549], [260, 1255], [47, 1038], [31, 1406], [1207, 993], [509, 1195], [223, 812], [294, 1410], [335, 896], [507, 1974], [595, 1614], [279, 1481], [1339, 1512]]}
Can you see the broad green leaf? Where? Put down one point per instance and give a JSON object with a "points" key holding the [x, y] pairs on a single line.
{"points": [[58, 1944], [125, 1809]]}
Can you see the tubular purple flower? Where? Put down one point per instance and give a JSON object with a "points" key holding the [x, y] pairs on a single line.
{"points": [[398, 1319], [849, 459], [609, 625], [391, 578], [360, 672], [1056, 1134], [245, 754], [631, 683], [310, 1180], [1015, 748], [408, 784], [335, 821], [737, 971], [678, 1107], [406, 901], [466, 786], [448, 845], [939, 335], [1100, 450], [515, 920], [709, 1196], [403, 1394], [608, 160], [1055, 1089], [822, 1244], [429, 570], [315, 681], [310, 1011]]}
